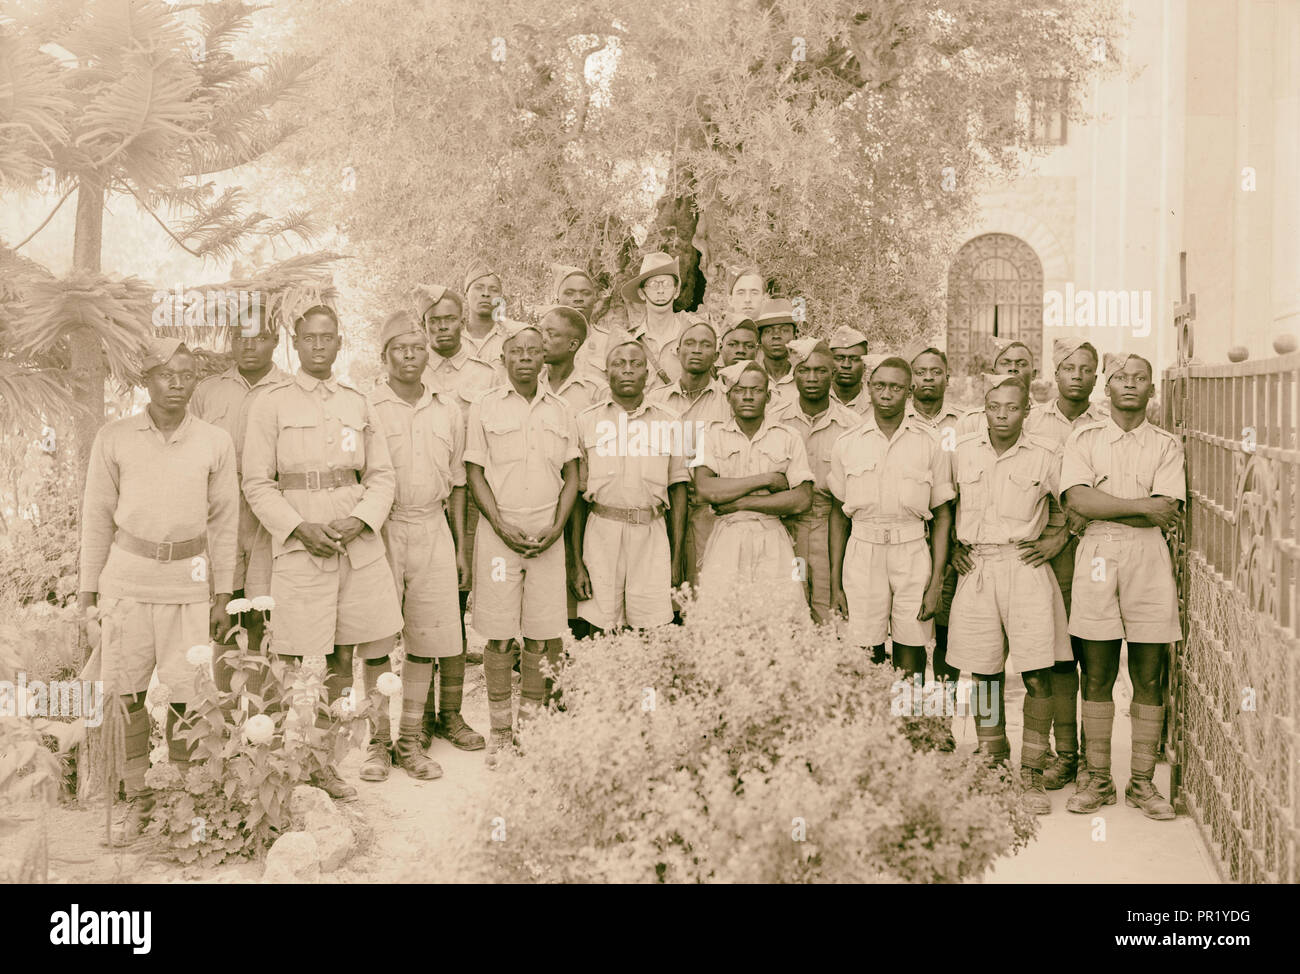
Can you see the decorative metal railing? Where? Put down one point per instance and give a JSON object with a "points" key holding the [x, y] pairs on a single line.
{"points": [[1235, 680]]}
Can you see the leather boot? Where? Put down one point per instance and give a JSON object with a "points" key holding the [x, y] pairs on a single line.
{"points": [[1034, 797], [328, 781], [412, 759], [1061, 771], [452, 727], [378, 761], [1099, 791], [1141, 793]]}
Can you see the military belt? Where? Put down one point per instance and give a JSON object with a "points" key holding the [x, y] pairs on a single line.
{"points": [[319, 479], [163, 551]]}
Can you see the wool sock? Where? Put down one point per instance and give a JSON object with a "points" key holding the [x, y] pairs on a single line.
{"points": [[1065, 710], [137, 745], [1038, 720], [532, 685], [381, 728], [553, 653], [1098, 721], [990, 715], [498, 669], [1148, 722], [417, 678], [451, 683]]}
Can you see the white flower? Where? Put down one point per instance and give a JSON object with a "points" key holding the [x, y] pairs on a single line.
{"points": [[258, 729], [159, 695], [199, 655], [263, 603], [343, 708], [236, 606], [389, 684]]}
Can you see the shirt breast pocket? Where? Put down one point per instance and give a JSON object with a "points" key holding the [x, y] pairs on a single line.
{"points": [[555, 441], [914, 491], [505, 442], [862, 483], [972, 493], [1021, 497], [351, 442], [300, 438]]}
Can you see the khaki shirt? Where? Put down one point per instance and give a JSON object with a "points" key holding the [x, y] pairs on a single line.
{"points": [[488, 349], [1003, 499], [819, 434], [626, 462], [313, 425], [782, 390], [661, 353], [522, 447], [729, 453], [224, 400], [159, 490], [461, 375], [579, 390], [860, 404], [1144, 462], [710, 406], [426, 443], [976, 420], [945, 419], [891, 480], [1050, 423]]}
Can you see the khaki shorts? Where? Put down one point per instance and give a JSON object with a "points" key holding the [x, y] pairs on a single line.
{"points": [[884, 585], [750, 550], [321, 603], [631, 574], [423, 558], [1003, 606], [515, 595], [810, 536], [471, 527], [1124, 586], [138, 636], [1063, 569]]}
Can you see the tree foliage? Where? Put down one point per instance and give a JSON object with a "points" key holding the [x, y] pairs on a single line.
{"points": [[840, 145]]}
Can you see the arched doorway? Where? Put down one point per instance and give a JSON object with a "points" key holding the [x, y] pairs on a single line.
{"points": [[995, 293]]}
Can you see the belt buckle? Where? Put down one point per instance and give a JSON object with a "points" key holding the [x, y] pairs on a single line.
{"points": [[313, 479], [891, 535], [158, 552]]}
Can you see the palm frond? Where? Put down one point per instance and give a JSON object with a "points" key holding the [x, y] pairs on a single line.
{"points": [[34, 108], [222, 22], [211, 154]]}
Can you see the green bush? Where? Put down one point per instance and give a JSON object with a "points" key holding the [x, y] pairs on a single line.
{"points": [[741, 747]]}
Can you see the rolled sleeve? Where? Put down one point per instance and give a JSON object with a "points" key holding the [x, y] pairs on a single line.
{"points": [[677, 472], [798, 470], [1076, 468], [942, 488], [260, 468], [704, 453], [1170, 478], [99, 503], [476, 449], [223, 515]]}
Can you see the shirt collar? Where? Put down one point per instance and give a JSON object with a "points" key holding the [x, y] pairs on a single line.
{"points": [[310, 383], [609, 403], [947, 412], [384, 392], [456, 361], [1113, 432], [1053, 408], [908, 423], [714, 385], [497, 329], [144, 422], [275, 375]]}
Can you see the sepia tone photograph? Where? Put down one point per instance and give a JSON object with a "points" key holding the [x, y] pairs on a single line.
{"points": [[604, 442]]}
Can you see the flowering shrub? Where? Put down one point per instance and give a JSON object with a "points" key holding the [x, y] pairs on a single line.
{"points": [[742, 747], [250, 751]]}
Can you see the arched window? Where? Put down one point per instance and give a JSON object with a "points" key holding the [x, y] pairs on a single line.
{"points": [[995, 293]]}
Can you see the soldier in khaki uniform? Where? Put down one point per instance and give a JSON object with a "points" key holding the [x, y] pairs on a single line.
{"points": [[1013, 358], [521, 458], [564, 330], [485, 321], [889, 477], [630, 521], [1076, 375], [738, 342], [424, 538], [224, 400], [158, 538], [754, 472], [849, 349], [453, 369], [1007, 601], [776, 328], [318, 476], [700, 400], [1127, 478], [928, 405], [820, 421]]}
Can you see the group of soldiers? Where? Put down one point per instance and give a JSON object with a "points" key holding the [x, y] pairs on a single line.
{"points": [[482, 463]]}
